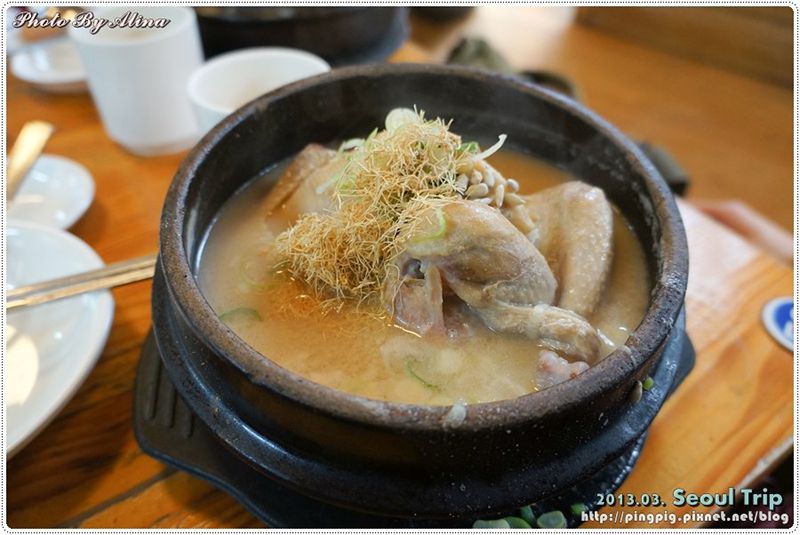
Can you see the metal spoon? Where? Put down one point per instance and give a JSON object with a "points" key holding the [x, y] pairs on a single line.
{"points": [[26, 150], [110, 276]]}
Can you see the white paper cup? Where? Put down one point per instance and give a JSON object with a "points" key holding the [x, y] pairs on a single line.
{"points": [[138, 76], [226, 82]]}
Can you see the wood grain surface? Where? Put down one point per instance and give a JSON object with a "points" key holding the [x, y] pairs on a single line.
{"points": [[756, 41], [733, 134], [734, 411]]}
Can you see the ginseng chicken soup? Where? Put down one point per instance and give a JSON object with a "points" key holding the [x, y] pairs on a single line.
{"points": [[415, 266]]}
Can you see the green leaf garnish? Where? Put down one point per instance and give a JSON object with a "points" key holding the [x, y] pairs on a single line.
{"points": [[425, 383]]}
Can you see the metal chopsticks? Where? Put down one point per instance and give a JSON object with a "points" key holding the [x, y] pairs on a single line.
{"points": [[110, 276]]}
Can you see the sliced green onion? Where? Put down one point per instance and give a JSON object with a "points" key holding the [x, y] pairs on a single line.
{"points": [[648, 383], [246, 276], [578, 508], [240, 313], [516, 522], [494, 148], [469, 146], [439, 232], [552, 520], [526, 513], [399, 117], [425, 383], [351, 144], [371, 134], [500, 523]]}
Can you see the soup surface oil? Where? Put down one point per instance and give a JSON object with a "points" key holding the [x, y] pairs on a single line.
{"points": [[360, 352]]}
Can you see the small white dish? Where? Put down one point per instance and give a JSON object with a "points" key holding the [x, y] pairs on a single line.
{"points": [[50, 348], [51, 66], [230, 80], [56, 193]]}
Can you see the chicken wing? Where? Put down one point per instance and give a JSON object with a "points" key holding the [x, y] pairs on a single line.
{"points": [[297, 191], [573, 228]]}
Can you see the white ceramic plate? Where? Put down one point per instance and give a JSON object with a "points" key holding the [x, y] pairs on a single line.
{"points": [[50, 66], [56, 192], [50, 348]]}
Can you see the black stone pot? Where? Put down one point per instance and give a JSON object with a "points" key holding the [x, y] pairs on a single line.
{"points": [[393, 459]]}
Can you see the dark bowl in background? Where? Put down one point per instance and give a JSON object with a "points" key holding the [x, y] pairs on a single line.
{"points": [[339, 35], [442, 13], [395, 459]]}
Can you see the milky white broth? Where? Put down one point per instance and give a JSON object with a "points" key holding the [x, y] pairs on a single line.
{"points": [[361, 352]]}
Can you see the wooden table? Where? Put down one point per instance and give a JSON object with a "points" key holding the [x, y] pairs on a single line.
{"points": [[726, 425], [733, 134]]}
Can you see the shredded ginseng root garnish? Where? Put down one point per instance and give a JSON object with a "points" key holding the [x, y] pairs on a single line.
{"points": [[388, 180]]}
